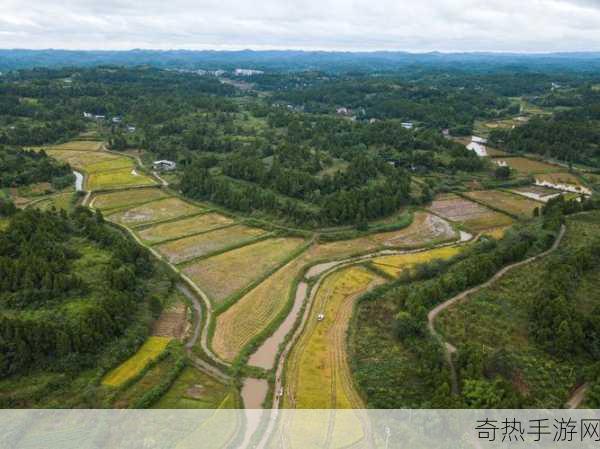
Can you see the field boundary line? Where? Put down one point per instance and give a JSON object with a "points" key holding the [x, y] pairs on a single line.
{"points": [[193, 234]]}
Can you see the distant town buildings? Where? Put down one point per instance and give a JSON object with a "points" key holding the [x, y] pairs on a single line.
{"points": [[247, 72]]}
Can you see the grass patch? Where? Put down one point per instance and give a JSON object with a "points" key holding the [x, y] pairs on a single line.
{"points": [[527, 166]]}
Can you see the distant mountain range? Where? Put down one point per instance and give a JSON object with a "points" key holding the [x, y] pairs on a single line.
{"points": [[294, 60]]}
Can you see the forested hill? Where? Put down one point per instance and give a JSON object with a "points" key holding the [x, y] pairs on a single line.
{"points": [[297, 60]]}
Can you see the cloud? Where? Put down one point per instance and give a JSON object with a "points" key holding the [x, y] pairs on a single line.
{"points": [[426, 25]]}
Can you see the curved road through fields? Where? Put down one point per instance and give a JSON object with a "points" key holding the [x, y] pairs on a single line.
{"points": [[433, 314]]}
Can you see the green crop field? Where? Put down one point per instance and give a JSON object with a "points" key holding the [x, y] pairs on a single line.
{"points": [[126, 198], [164, 209]]}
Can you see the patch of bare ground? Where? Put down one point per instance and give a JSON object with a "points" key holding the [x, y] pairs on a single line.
{"points": [[172, 322]]}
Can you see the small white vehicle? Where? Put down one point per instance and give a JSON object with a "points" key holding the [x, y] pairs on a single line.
{"points": [[320, 317]]}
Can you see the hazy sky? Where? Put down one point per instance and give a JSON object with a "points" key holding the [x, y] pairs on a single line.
{"points": [[417, 25]]}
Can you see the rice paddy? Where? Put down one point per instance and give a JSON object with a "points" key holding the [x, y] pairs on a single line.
{"points": [[222, 275], [396, 264], [126, 198], [128, 177], [318, 375], [164, 209], [149, 351], [188, 248], [473, 216], [507, 202], [182, 228]]}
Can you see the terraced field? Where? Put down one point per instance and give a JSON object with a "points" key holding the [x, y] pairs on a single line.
{"points": [[126, 198], [318, 375], [396, 264], [184, 227], [473, 216], [111, 179], [538, 193], [222, 275], [188, 248], [527, 166], [507, 202], [164, 209], [135, 364]]}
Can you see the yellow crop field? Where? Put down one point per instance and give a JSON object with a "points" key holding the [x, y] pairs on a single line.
{"points": [[80, 159], [474, 216], [424, 228], [124, 198], [507, 202], [318, 375], [560, 178], [135, 364], [222, 275], [184, 227], [79, 145], [166, 209], [527, 166], [127, 177], [394, 265], [188, 248], [111, 164]]}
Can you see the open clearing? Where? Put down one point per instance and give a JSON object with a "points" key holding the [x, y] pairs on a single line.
{"points": [[127, 198], [394, 265], [188, 248], [160, 210], [194, 389], [184, 227], [135, 364], [111, 179], [474, 216], [317, 374], [224, 274], [527, 166], [507, 202]]}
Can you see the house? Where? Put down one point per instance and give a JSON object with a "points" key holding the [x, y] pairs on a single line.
{"points": [[99, 117], [116, 119], [130, 128], [407, 125], [247, 72], [480, 140], [342, 111], [164, 165], [88, 115]]}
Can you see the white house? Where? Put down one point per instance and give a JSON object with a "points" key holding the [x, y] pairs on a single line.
{"points": [[164, 165], [407, 125], [478, 140]]}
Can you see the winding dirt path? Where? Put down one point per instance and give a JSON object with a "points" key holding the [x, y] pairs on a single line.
{"points": [[433, 314]]}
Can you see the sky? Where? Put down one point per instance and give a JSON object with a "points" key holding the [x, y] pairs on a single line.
{"points": [[352, 25]]}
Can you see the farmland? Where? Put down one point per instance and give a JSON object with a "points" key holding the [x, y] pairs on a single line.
{"points": [[318, 375], [396, 264], [472, 215], [528, 166], [538, 193], [188, 248], [128, 177], [126, 198], [149, 351], [164, 209], [184, 227], [507, 202], [194, 389], [222, 275], [560, 178]]}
